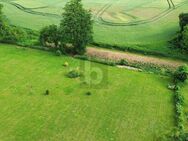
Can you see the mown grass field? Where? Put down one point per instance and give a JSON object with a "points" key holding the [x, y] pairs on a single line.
{"points": [[145, 25], [129, 105]]}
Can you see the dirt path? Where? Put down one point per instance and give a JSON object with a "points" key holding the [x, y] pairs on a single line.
{"points": [[133, 57]]}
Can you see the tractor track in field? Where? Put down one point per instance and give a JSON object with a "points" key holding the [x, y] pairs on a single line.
{"points": [[31, 11], [101, 11], [100, 20], [133, 57]]}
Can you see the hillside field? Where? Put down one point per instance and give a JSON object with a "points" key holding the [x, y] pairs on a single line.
{"points": [[145, 25], [128, 105]]}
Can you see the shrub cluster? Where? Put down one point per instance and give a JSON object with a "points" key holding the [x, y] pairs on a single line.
{"points": [[180, 41], [181, 74], [74, 73]]}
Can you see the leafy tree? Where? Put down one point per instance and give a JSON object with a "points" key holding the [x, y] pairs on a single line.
{"points": [[8, 34], [184, 42], [76, 26], [49, 35], [183, 20], [181, 38], [181, 74]]}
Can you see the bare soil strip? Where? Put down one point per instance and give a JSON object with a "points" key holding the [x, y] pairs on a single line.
{"points": [[133, 57]]}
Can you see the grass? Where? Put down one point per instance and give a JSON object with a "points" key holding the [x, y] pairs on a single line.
{"points": [[152, 36], [127, 105]]}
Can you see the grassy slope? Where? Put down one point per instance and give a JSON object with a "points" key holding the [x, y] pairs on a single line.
{"points": [[128, 106]]}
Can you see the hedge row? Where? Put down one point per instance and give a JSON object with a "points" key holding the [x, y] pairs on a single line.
{"points": [[179, 103]]}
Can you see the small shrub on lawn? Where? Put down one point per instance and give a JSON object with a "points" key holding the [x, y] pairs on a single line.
{"points": [[88, 93], [47, 92], [74, 73]]}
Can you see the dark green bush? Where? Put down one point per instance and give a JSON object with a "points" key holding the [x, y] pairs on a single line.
{"points": [[123, 62], [180, 40], [184, 41], [181, 74], [179, 98], [74, 73], [47, 92], [49, 36], [183, 20], [88, 93], [11, 34]]}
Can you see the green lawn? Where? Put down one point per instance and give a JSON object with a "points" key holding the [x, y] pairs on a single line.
{"points": [[126, 106], [160, 25]]}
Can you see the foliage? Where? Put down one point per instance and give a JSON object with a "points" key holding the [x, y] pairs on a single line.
{"points": [[180, 40], [181, 74], [11, 34], [184, 42], [123, 62], [76, 25], [74, 73], [183, 20], [88, 93], [49, 36], [47, 92]]}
